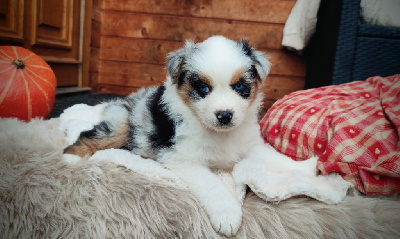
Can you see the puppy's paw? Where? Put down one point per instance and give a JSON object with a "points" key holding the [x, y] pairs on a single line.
{"points": [[309, 166], [71, 158], [241, 192], [227, 219]]}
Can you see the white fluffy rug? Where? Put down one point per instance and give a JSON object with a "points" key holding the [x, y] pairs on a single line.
{"points": [[43, 197]]}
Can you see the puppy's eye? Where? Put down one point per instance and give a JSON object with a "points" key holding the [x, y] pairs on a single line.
{"points": [[205, 89], [242, 88], [238, 86]]}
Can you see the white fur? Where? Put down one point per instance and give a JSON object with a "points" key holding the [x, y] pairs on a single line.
{"points": [[201, 145], [115, 113], [217, 59], [384, 13], [79, 118], [71, 159], [202, 148], [141, 114], [136, 163], [277, 178], [273, 178]]}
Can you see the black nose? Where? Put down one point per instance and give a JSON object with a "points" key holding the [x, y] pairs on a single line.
{"points": [[224, 117]]}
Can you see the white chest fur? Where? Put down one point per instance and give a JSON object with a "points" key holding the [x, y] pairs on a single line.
{"points": [[196, 144]]}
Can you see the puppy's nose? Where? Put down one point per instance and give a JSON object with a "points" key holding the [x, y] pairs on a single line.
{"points": [[224, 116]]}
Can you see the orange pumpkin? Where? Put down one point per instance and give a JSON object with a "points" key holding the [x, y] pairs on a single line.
{"points": [[27, 84]]}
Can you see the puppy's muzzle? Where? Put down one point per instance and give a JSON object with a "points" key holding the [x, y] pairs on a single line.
{"points": [[224, 117]]}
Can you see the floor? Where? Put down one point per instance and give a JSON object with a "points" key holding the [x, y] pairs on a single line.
{"points": [[63, 101]]}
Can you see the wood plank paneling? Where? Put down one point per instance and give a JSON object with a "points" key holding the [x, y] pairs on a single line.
{"points": [[96, 34], [273, 11], [130, 74], [65, 72], [116, 89], [94, 60], [154, 52], [174, 28], [276, 87], [97, 4], [136, 50], [286, 63], [134, 37]]}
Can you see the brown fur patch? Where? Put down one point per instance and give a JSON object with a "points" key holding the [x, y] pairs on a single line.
{"points": [[183, 92], [254, 91], [254, 86], [185, 88], [206, 79], [237, 75], [88, 146]]}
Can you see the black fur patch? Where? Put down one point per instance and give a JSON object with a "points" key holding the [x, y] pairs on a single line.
{"points": [[247, 49], [181, 78], [131, 145], [101, 129], [127, 107], [197, 84], [254, 73], [245, 91], [164, 127]]}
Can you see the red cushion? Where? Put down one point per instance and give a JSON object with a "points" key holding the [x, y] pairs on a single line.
{"points": [[353, 128]]}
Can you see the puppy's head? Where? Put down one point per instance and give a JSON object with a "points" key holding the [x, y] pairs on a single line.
{"points": [[218, 79]]}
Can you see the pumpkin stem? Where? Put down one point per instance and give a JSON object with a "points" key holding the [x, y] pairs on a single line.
{"points": [[19, 63]]}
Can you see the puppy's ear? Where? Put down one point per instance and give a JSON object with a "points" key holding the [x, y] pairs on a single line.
{"points": [[260, 60], [176, 60]]}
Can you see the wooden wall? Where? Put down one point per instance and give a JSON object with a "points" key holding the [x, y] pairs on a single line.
{"points": [[130, 39]]}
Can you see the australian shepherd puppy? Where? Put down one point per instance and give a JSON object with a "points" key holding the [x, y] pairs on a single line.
{"points": [[204, 117]]}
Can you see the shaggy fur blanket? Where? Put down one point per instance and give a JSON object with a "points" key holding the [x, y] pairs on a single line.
{"points": [[43, 197]]}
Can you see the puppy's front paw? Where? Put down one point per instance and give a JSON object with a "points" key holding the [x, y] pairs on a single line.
{"points": [[241, 192], [71, 158], [227, 219], [309, 166]]}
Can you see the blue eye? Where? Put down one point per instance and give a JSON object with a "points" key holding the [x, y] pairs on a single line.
{"points": [[205, 89], [239, 86]]}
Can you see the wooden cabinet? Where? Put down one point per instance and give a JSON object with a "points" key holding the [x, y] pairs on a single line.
{"points": [[11, 19], [56, 30]]}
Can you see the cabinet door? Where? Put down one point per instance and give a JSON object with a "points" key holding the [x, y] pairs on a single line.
{"points": [[11, 19], [53, 29]]}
